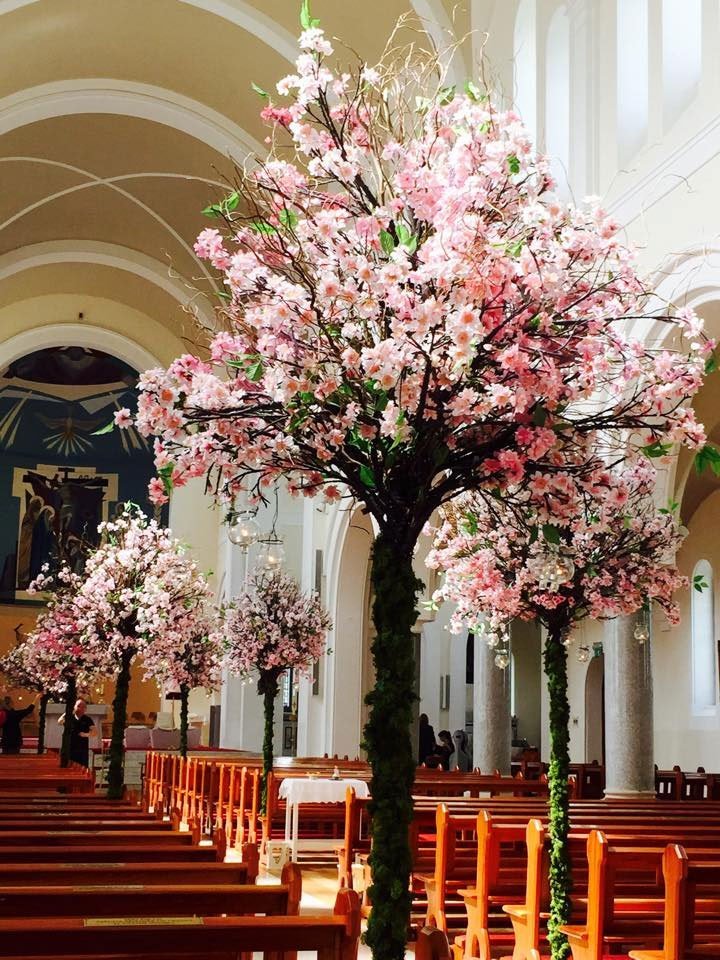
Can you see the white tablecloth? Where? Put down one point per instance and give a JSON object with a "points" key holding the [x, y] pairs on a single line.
{"points": [[304, 790]]}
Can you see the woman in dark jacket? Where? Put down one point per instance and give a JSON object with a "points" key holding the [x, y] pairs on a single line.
{"points": [[11, 737]]}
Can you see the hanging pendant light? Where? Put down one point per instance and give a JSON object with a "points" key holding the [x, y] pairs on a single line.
{"points": [[271, 554], [244, 530]]}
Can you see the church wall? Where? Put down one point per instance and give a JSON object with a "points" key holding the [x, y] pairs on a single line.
{"points": [[681, 736]]}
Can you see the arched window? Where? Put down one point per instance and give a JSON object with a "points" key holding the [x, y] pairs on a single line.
{"points": [[682, 54], [704, 659], [557, 97], [525, 61], [632, 76]]}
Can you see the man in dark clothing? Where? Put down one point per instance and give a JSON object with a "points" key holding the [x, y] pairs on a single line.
{"points": [[11, 737], [81, 731], [426, 746]]}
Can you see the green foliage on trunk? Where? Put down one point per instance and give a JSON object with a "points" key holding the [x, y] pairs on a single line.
{"points": [[116, 768], [184, 696], [70, 698], [268, 689], [389, 745], [555, 662], [42, 720]]}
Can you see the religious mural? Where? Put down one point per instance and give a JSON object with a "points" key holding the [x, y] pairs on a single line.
{"points": [[60, 469]]}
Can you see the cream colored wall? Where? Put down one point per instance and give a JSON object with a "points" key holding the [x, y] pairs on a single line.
{"points": [[681, 737]]}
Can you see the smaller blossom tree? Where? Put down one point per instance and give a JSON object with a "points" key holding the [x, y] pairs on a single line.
{"points": [[55, 651], [190, 657], [273, 627], [15, 669], [135, 587], [614, 558]]}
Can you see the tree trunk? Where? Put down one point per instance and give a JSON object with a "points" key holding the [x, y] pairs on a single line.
{"points": [[116, 772], [42, 717], [388, 743], [70, 698], [555, 662], [184, 696], [268, 688]]}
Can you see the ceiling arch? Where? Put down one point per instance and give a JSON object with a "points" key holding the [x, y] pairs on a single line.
{"points": [[102, 254], [143, 100]]}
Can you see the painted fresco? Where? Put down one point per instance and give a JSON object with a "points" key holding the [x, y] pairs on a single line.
{"points": [[59, 472]]}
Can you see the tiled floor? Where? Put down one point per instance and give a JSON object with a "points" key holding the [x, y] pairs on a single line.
{"points": [[319, 889]]}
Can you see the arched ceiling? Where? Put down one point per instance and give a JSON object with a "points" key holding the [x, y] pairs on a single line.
{"points": [[118, 122]]}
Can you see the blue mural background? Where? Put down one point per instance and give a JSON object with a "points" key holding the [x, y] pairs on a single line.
{"points": [[58, 477]]}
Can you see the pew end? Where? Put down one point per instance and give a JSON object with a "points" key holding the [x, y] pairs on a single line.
{"points": [[432, 944]]}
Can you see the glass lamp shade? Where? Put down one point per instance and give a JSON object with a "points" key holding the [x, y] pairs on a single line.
{"points": [[244, 530], [271, 555], [502, 659], [583, 654], [641, 632]]}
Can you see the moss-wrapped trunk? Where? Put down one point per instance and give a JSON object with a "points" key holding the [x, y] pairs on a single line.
{"points": [[70, 698], [42, 720], [268, 689], [184, 697], [116, 768], [388, 742], [555, 662]]}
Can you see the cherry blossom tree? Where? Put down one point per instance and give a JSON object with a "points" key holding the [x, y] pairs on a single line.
{"points": [[273, 627], [134, 590], [55, 651], [190, 657], [501, 563], [409, 313], [14, 668]]}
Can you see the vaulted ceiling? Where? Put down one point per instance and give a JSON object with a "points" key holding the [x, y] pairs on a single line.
{"points": [[119, 123]]}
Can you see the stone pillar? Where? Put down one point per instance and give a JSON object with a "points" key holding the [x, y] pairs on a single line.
{"points": [[491, 712], [629, 765]]}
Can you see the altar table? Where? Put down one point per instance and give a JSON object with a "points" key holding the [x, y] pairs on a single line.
{"points": [[297, 790]]}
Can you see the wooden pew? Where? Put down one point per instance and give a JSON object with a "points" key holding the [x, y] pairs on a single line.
{"points": [[682, 879], [153, 900], [432, 944], [612, 922], [60, 874], [162, 938]]}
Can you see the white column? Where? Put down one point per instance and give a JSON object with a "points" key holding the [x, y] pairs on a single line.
{"points": [[583, 16], [491, 712], [629, 765]]}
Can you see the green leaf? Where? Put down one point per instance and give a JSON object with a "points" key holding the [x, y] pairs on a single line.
{"points": [[288, 218], [422, 104], [551, 533], [472, 90], [700, 583], [470, 524], [306, 20], [108, 428], [515, 248], [672, 507], [711, 364], [446, 95], [709, 456], [255, 371], [534, 323], [534, 534], [166, 473], [387, 242], [513, 164], [484, 127], [367, 476], [213, 211], [262, 226], [657, 449], [231, 202], [259, 91]]}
